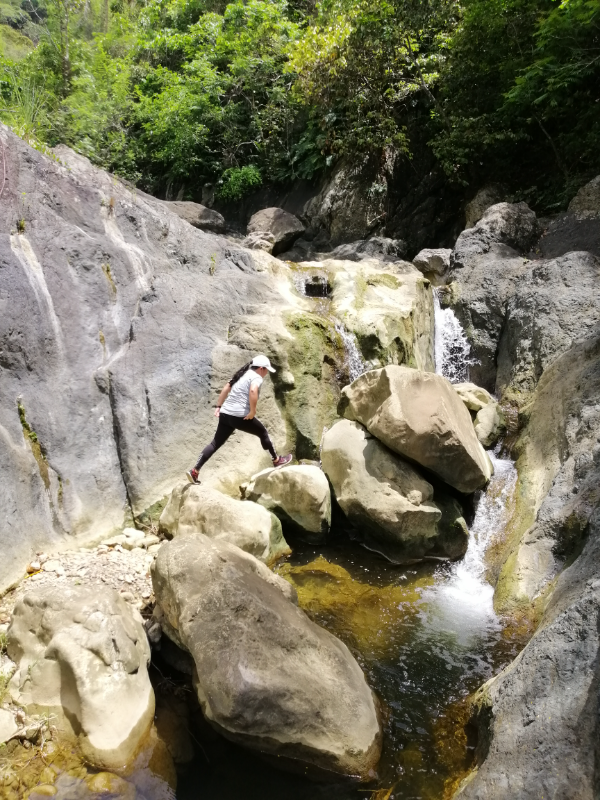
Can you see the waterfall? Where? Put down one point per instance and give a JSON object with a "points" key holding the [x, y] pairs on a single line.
{"points": [[353, 359], [451, 347], [463, 599]]}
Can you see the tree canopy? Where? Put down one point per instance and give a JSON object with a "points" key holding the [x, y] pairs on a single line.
{"points": [[177, 94]]}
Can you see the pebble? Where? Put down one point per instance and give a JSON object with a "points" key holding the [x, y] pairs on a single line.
{"points": [[35, 566]]}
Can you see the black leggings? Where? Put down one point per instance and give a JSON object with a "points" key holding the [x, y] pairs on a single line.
{"points": [[227, 425]]}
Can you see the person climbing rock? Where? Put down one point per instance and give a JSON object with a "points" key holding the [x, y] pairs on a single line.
{"points": [[236, 410]]}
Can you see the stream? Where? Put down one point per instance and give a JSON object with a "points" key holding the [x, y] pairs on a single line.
{"points": [[426, 637]]}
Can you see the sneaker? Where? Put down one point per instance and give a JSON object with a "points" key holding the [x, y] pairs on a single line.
{"points": [[192, 476], [282, 461]]}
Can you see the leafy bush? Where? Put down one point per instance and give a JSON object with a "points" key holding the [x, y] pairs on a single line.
{"points": [[238, 181]]}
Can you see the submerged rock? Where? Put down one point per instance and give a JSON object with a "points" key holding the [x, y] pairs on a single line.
{"points": [[385, 499], [199, 509], [420, 416], [267, 677], [82, 654], [298, 495]]}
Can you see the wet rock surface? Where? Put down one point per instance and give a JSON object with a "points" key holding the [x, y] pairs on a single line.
{"points": [[267, 677]]}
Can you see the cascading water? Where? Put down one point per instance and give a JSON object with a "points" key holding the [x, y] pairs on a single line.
{"points": [[353, 359], [451, 346]]}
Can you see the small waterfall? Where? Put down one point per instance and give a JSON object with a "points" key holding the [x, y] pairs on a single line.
{"points": [[464, 599], [451, 347], [353, 359]]}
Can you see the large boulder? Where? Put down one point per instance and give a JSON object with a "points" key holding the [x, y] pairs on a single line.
{"points": [[512, 224], [386, 501], [434, 262], [420, 416], [194, 509], [82, 655], [586, 202], [197, 215], [298, 495], [284, 227], [485, 198], [267, 677]]}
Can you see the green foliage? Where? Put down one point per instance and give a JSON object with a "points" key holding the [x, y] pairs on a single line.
{"points": [[173, 94], [238, 181]]}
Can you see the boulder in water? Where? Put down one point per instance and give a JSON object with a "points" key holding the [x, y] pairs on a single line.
{"points": [[199, 509], [268, 678], [282, 226], [298, 495], [385, 499], [82, 654], [420, 416], [489, 421]]}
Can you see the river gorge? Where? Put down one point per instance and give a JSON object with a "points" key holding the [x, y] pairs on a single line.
{"points": [[409, 612]]}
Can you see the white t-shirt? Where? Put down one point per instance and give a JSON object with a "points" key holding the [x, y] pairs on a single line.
{"points": [[238, 401]]}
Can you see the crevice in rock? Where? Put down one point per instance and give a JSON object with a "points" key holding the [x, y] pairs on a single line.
{"points": [[118, 437]]}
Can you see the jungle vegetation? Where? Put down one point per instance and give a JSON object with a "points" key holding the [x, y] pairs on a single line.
{"points": [[176, 94]]}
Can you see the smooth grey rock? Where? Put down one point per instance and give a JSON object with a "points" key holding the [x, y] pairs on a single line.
{"points": [[378, 247], [8, 726], [115, 318], [435, 262], [267, 677], [298, 495], [199, 509], [283, 226], [82, 654], [260, 240], [197, 215]]}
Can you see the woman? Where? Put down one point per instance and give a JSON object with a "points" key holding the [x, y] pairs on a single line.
{"points": [[236, 409]]}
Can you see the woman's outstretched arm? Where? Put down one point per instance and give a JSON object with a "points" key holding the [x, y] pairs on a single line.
{"points": [[222, 397]]}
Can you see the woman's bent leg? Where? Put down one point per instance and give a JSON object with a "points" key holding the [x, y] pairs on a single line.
{"points": [[223, 433], [256, 428]]}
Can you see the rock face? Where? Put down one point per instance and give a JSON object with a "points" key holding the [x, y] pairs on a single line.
{"points": [[389, 308], [433, 262], [114, 324], [82, 654], [197, 215], [385, 499], [547, 699], [586, 202], [420, 416], [378, 247], [519, 314], [199, 509], [298, 495], [284, 227], [267, 677]]}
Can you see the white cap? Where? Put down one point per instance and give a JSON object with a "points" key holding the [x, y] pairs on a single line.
{"points": [[262, 361]]}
